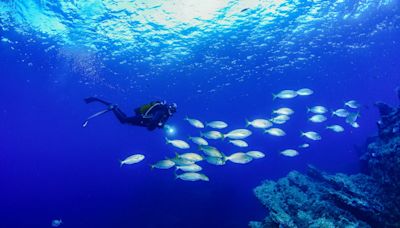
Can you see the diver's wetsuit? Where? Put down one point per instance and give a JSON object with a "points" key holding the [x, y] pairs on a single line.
{"points": [[151, 116], [156, 116]]}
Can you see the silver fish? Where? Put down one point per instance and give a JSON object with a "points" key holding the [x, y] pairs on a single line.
{"points": [[283, 111], [217, 124], [285, 94], [216, 160], [255, 154], [239, 143], [317, 118], [189, 168], [352, 104], [311, 135], [318, 109], [341, 113], [198, 140], [192, 177], [132, 159], [195, 123], [240, 158], [191, 157], [352, 117], [275, 132], [178, 143], [238, 134], [163, 164], [335, 128], [304, 92], [212, 135], [305, 145], [259, 123], [211, 151], [290, 153]]}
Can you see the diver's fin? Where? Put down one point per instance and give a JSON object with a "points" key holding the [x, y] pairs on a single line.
{"points": [[90, 100], [93, 99], [85, 123], [95, 115]]}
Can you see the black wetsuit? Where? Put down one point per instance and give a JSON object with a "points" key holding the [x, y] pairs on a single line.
{"points": [[155, 115]]}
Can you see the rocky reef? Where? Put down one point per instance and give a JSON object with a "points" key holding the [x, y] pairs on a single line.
{"points": [[316, 199]]}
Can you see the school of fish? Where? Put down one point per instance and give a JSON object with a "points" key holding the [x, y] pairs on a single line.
{"points": [[186, 165]]}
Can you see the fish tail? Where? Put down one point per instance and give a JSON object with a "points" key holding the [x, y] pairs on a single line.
{"points": [[247, 122], [301, 133], [224, 156], [308, 109], [333, 113], [223, 137], [151, 167], [274, 96], [121, 163], [166, 140]]}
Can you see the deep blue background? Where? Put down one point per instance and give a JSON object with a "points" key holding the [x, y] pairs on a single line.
{"points": [[51, 167]]}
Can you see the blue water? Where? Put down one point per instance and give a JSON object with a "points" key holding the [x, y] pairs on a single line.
{"points": [[218, 60]]}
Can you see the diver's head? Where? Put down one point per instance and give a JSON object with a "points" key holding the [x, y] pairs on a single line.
{"points": [[172, 108]]}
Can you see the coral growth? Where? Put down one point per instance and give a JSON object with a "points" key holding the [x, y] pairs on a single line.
{"points": [[316, 199]]}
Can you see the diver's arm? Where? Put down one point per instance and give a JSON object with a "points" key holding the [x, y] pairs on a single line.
{"points": [[162, 117], [162, 121], [158, 120]]}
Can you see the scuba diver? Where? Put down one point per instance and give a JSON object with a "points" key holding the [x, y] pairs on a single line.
{"points": [[152, 115]]}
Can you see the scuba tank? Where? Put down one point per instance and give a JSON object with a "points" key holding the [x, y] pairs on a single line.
{"points": [[144, 110]]}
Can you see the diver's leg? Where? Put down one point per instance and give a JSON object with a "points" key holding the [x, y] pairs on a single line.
{"points": [[120, 115], [93, 99]]}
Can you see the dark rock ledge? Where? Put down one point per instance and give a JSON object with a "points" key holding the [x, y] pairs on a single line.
{"points": [[316, 199]]}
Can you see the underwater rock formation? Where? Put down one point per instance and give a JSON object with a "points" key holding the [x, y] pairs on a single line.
{"points": [[316, 199]]}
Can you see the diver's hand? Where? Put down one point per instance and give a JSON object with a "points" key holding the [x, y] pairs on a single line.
{"points": [[112, 107]]}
